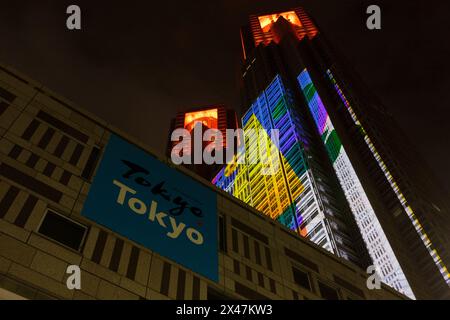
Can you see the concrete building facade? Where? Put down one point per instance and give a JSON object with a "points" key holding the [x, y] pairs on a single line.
{"points": [[49, 152]]}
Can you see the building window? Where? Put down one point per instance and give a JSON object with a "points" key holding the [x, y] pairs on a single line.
{"points": [[302, 279], [8, 96], [214, 294], [91, 163], [222, 234], [63, 230], [328, 293]]}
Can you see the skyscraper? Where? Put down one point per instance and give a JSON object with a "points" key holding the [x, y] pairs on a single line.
{"points": [[283, 179], [348, 145], [216, 117]]}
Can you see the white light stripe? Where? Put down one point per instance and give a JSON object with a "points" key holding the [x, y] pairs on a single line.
{"points": [[410, 213]]}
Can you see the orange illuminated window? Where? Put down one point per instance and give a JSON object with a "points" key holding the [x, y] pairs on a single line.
{"points": [[266, 21], [207, 117]]}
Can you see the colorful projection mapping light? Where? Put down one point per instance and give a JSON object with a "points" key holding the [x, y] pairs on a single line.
{"points": [[426, 240], [287, 195], [377, 244]]}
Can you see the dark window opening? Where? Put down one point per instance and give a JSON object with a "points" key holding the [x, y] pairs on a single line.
{"points": [[165, 279], [8, 96], [49, 168], [132, 265], [236, 267], [99, 246], [248, 273], [328, 293], [301, 260], [116, 255], [91, 164], [46, 138], [76, 154], [65, 177], [248, 293], [196, 288], [32, 160], [63, 230], [268, 259], [30, 130], [234, 238], [15, 152], [3, 107], [273, 286], [246, 247], [222, 234], [62, 144], [214, 294], [347, 285], [8, 200], [29, 182], [61, 125], [181, 284], [25, 213], [301, 278]]}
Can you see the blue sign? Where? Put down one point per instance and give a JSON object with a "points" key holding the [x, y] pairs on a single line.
{"points": [[146, 201]]}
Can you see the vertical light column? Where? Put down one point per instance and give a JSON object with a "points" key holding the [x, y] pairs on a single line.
{"points": [[374, 237], [414, 220]]}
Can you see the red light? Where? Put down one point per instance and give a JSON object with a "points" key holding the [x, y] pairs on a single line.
{"points": [[207, 117], [266, 21]]}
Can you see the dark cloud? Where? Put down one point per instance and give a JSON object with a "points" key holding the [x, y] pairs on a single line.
{"points": [[135, 63]]}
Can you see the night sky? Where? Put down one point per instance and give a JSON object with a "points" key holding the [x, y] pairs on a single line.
{"points": [[135, 63]]}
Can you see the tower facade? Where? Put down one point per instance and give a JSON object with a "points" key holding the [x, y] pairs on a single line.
{"points": [[350, 141], [283, 178]]}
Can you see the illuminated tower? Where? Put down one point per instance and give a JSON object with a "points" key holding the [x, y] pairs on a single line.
{"points": [[208, 117], [285, 180], [350, 147]]}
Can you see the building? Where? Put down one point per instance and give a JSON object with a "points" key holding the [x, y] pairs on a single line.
{"points": [[297, 190], [216, 117], [53, 158], [398, 206]]}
